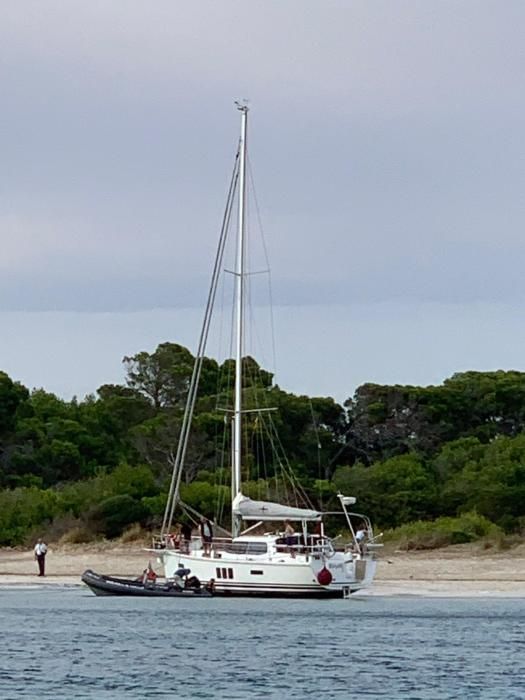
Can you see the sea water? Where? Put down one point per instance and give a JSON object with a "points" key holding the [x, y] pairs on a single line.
{"points": [[67, 643]]}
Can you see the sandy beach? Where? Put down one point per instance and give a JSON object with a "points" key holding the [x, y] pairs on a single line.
{"points": [[464, 570]]}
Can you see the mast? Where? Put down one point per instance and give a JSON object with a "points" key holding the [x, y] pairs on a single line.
{"points": [[239, 318]]}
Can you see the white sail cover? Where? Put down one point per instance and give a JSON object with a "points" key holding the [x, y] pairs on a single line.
{"points": [[265, 510]]}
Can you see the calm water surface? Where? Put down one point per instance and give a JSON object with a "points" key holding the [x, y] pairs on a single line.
{"points": [[66, 643]]}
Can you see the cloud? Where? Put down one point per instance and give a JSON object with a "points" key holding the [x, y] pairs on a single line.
{"points": [[385, 138], [387, 152], [384, 51]]}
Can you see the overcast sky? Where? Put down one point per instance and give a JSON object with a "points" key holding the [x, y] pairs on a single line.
{"points": [[386, 141]]}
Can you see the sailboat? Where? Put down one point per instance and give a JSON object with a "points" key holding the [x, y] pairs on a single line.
{"points": [[273, 549]]}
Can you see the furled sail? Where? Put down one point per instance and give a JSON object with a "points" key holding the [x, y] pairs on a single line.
{"points": [[247, 509]]}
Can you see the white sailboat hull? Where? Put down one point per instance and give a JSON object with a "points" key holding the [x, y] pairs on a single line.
{"points": [[265, 576]]}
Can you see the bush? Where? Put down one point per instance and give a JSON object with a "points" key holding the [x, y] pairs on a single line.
{"points": [[134, 533], [400, 490], [23, 510], [77, 535], [79, 497], [204, 496], [155, 505], [112, 516], [442, 532], [135, 481]]}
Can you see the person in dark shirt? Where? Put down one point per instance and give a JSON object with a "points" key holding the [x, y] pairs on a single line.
{"points": [[185, 532], [206, 535], [180, 577]]}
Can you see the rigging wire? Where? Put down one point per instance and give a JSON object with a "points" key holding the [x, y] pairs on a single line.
{"points": [[251, 380], [194, 382], [319, 448], [222, 451], [260, 446], [267, 259]]}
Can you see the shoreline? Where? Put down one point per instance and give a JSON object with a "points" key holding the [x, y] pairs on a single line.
{"points": [[460, 571], [379, 589]]}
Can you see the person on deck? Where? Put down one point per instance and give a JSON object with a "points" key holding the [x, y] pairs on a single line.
{"points": [[40, 556], [289, 538], [173, 540], [360, 537], [185, 531], [206, 535]]}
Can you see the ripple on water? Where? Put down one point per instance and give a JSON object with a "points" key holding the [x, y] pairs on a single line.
{"points": [[69, 644]]}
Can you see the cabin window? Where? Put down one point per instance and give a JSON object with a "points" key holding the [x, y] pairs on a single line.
{"points": [[230, 573], [218, 573], [224, 573], [257, 572]]}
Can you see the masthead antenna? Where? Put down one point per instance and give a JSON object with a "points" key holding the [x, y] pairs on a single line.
{"points": [[242, 105]]}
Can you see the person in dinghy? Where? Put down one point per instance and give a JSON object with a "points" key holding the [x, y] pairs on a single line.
{"points": [[148, 576]]}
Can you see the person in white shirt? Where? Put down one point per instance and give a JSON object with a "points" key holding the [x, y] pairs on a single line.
{"points": [[40, 556], [360, 537]]}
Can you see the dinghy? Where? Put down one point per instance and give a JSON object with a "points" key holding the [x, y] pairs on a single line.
{"points": [[110, 585]]}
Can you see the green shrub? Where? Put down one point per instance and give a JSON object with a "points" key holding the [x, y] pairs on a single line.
{"points": [[136, 481], [114, 514], [80, 497], [204, 496], [399, 490], [442, 532], [23, 510], [155, 505]]}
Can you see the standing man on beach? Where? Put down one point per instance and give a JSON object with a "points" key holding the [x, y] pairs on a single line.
{"points": [[40, 556]]}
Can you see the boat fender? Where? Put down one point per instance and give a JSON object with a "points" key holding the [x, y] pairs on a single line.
{"points": [[324, 577]]}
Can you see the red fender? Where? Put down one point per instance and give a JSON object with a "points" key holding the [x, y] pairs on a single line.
{"points": [[324, 577]]}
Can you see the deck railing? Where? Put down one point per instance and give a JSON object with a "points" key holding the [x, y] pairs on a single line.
{"points": [[315, 545]]}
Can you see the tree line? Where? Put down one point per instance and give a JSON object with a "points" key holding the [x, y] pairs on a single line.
{"points": [[408, 453]]}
